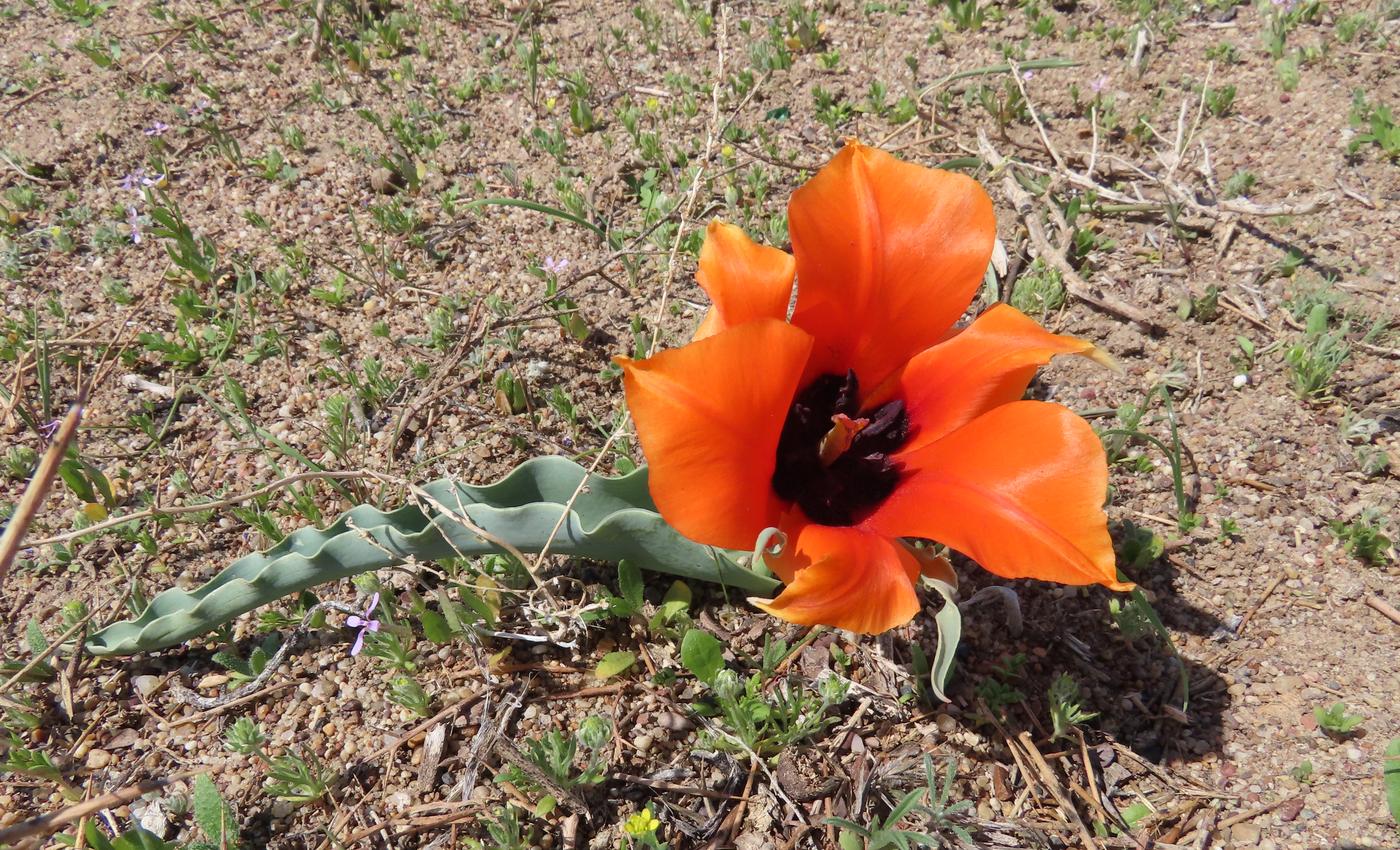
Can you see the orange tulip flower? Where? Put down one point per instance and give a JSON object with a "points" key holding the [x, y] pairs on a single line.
{"points": [[865, 418]]}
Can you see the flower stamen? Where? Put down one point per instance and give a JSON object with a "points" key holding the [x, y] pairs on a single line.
{"points": [[843, 432]]}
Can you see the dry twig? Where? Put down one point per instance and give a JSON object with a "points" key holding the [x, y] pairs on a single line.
{"points": [[1054, 255], [39, 485]]}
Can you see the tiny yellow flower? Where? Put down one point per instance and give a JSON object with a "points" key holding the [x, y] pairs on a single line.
{"points": [[727, 151], [94, 511], [549, 103], [642, 823]]}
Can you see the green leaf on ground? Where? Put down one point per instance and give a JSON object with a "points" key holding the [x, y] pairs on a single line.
{"points": [[702, 654], [614, 663]]}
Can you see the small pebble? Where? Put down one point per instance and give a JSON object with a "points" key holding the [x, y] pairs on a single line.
{"points": [[212, 680], [98, 759], [674, 722]]}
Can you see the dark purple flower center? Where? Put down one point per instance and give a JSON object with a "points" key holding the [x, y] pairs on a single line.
{"points": [[833, 461]]}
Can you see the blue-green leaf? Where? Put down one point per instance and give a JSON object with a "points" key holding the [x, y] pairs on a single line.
{"points": [[611, 519], [949, 623]]}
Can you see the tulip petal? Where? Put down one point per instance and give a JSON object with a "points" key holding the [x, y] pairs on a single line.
{"points": [[1019, 489], [708, 416], [745, 280], [988, 364], [889, 255], [847, 578]]}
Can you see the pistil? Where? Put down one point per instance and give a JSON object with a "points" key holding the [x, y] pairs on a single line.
{"points": [[843, 432]]}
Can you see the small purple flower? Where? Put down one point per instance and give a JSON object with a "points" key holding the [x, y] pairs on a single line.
{"points": [[197, 111], [1026, 75], [49, 429], [365, 624], [554, 266], [1099, 84], [133, 219], [134, 181], [157, 129]]}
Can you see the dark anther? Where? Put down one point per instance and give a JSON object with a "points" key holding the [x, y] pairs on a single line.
{"points": [[846, 489]]}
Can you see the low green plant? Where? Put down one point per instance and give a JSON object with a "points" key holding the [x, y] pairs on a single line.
{"points": [[1066, 711], [503, 831], [30, 762], [1335, 720], [1218, 101], [1364, 537], [291, 777], [405, 691], [214, 815], [1039, 289], [241, 670], [1375, 124], [1203, 309], [935, 818], [196, 254], [1349, 27], [556, 755], [80, 12], [134, 838], [20, 462], [1314, 359], [1238, 184], [1303, 772], [965, 14], [763, 721]]}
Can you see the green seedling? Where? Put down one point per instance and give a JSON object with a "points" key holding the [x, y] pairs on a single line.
{"points": [[935, 819], [1335, 720], [1066, 712], [1039, 290], [1363, 537], [241, 670], [290, 777], [1375, 124], [757, 720], [503, 831], [406, 692], [556, 755]]}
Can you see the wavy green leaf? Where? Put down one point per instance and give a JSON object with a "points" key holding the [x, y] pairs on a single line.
{"points": [[612, 519]]}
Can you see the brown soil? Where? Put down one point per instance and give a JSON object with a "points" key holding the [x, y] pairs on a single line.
{"points": [[1271, 614]]}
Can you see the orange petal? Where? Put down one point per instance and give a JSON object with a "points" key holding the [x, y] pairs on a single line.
{"points": [[745, 280], [1019, 489], [987, 365], [933, 566], [889, 255], [708, 416], [847, 578]]}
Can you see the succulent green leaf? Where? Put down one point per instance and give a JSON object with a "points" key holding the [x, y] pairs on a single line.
{"points": [[612, 519]]}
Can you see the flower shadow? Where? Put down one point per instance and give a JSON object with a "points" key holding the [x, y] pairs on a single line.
{"points": [[1126, 672]]}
